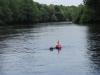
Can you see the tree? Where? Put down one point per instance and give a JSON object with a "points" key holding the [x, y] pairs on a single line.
{"points": [[93, 5]]}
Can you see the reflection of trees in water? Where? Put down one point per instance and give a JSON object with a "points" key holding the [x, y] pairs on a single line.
{"points": [[7, 32], [94, 47]]}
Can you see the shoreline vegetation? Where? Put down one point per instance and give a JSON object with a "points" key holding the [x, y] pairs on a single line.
{"points": [[30, 12]]}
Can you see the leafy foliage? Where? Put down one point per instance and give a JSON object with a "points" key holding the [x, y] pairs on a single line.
{"points": [[93, 6], [29, 12]]}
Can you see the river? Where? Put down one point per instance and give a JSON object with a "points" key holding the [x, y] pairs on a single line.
{"points": [[25, 50]]}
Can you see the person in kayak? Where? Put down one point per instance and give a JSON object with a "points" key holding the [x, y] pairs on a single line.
{"points": [[58, 46]]}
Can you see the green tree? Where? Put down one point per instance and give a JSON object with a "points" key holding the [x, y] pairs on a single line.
{"points": [[93, 5]]}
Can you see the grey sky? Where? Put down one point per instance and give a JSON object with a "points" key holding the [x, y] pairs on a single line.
{"points": [[61, 2]]}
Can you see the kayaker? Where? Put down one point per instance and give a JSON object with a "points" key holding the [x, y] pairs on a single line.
{"points": [[58, 46]]}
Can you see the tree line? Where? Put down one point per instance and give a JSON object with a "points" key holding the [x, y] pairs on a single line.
{"points": [[29, 12], [90, 12], [94, 7]]}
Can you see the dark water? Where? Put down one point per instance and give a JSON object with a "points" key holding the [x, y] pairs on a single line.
{"points": [[25, 50]]}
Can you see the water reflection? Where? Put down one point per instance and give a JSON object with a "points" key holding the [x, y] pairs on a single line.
{"points": [[94, 48], [26, 50], [52, 49], [10, 32], [59, 50]]}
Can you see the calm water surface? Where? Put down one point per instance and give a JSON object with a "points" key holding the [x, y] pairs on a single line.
{"points": [[25, 50]]}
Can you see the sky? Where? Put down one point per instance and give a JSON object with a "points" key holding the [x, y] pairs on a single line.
{"points": [[60, 2]]}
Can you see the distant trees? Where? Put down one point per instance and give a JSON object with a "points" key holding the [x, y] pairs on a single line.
{"points": [[16, 11], [94, 7], [29, 12], [90, 12], [52, 13], [82, 15]]}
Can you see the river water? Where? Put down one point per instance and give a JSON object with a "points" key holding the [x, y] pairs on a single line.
{"points": [[25, 50]]}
